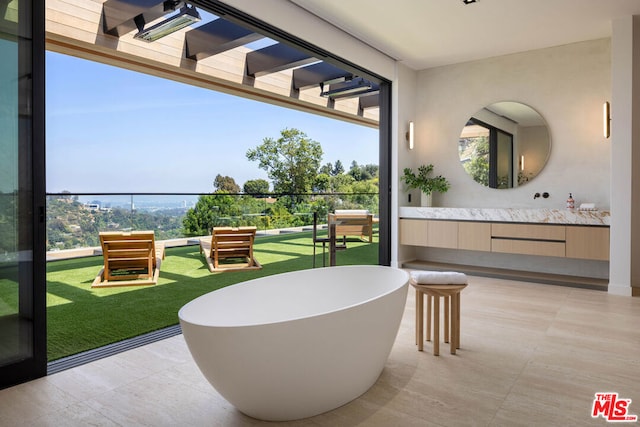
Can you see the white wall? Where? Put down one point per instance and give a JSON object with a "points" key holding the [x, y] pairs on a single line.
{"points": [[403, 111], [566, 85], [625, 139]]}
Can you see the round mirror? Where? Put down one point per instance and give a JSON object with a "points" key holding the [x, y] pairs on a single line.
{"points": [[504, 145]]}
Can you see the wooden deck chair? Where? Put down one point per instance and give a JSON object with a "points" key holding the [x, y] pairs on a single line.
{"points": [[353, 223], [130, 259], [227, 243]]}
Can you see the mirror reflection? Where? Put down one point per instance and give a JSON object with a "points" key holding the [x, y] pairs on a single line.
{"points": [[504, 145]]}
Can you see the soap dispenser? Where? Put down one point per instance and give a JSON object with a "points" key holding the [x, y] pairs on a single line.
{"points": [[570, 202]]}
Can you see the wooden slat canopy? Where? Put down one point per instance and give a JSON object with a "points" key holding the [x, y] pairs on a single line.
{"points": [[215, 37], [211, 54]]}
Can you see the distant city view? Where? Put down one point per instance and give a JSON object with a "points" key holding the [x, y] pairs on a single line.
{"points": [[150, 203]]}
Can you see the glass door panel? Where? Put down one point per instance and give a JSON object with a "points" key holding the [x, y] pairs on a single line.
{"points": [[22, 326]]}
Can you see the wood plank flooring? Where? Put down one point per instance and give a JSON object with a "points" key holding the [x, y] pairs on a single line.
{"points": [[530, 354]]}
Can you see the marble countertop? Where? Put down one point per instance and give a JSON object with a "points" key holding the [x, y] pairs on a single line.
{"points": [[543, 216]]}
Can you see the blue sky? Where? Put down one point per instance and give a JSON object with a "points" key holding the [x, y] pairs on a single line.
{"points": [[114, 130]]}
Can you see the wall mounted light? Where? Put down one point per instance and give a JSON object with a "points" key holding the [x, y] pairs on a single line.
{"points": [[410, 135], [184, 18], [349, 89], [522, 162], [606, 119]]}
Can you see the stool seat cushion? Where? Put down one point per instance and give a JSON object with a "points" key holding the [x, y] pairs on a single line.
{"points": [[439, 278]]}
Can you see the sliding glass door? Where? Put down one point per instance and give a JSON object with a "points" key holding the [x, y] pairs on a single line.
{"points": [[22, 278]]}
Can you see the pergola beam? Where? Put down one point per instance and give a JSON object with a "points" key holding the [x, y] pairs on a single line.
{"points": [[313, 75], [274, 58], [215, 37], [369, 101]]}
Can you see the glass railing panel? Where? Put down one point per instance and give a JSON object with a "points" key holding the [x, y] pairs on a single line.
{"points": [[75, 220]]}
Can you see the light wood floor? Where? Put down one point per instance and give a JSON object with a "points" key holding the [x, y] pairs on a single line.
{"points": [[530, 355]]}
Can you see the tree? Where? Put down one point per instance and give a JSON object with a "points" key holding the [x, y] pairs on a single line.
{"points": [[338, 169], [341, 183], [326, 169], [256, 187], [478, 166], [291, 161], [370, 171], [355, 171], [364, 172], [322, 183], [211, 211], [225, 184]]}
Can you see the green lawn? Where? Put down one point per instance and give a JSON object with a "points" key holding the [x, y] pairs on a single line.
{"points": [[80, 318]]}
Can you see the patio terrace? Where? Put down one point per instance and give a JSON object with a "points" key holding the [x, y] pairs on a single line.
{"points": [[81, 318]]}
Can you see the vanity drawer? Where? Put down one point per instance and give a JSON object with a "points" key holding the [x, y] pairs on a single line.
{"points": [[528, 247], [413, 232], [528, 231], [474, 236], [588, 242], [442, 234]]}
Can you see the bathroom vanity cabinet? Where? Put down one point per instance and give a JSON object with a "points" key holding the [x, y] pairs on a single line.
{"points": [[555, 243], [574, 241]]}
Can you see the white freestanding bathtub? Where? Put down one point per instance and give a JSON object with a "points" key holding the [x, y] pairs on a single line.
{"points": [[297, 344]]}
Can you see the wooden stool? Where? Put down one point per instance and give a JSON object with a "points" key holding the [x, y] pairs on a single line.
{"points": [[451, 295]]}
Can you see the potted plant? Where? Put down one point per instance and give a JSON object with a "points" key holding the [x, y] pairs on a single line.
{"points": [[427, 184]]}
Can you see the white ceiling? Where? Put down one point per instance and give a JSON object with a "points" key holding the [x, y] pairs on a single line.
{"points": [[429, 33]]}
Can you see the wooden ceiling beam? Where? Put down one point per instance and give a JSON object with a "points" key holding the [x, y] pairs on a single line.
{"points": [[215, 37], [274, 58], [369, 101], [314, 74]]}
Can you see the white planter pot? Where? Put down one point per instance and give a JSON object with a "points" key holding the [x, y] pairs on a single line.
{"points": [[426, 200]]}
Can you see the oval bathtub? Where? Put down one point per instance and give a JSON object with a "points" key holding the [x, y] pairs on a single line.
{"points": [[297, 344]]}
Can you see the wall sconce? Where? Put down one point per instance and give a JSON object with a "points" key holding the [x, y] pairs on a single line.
{"points": [[410, 135], [522, 162], [606, 119]]}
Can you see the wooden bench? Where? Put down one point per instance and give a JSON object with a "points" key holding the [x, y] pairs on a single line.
{"points": [[353, 223], [130, 258], [228, 243]]}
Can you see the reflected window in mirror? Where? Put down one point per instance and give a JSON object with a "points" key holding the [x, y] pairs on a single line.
{"points": [[504, 145], [486, 153]]}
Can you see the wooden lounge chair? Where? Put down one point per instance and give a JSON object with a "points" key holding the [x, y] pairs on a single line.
{"points": [[230, 243], [353, 223], [130, 259]]}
